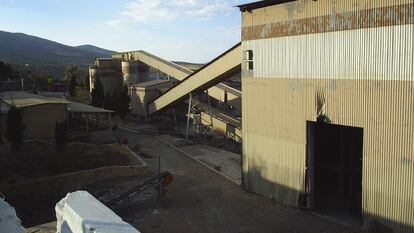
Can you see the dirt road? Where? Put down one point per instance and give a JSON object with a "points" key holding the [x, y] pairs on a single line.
{"points": [[200, 200]]}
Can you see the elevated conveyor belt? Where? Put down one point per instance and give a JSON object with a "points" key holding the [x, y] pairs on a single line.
{"points": [[206, 77], [155, 62], [221, 92], [221, 122]]}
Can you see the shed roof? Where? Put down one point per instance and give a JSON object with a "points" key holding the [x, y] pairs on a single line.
{"points": [[151, 83], [260, 4], [23, 99], [84, 108]]}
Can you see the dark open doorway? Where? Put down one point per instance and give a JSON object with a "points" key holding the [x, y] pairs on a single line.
{"points": [[335, 171]]}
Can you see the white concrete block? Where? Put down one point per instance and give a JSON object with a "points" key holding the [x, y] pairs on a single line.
{"points": [[80, 212], [9, 222]]}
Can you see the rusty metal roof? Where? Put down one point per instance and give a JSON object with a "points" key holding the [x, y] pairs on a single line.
{"points": [[260, 4], [84, 108], [23, 99]]}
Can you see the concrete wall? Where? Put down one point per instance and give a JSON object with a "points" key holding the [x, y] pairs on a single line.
{"points": [[111, 79], [142, 95], [350, 60], [130, 72]]}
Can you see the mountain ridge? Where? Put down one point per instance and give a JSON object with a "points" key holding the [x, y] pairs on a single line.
{"points": [[46, 56]]}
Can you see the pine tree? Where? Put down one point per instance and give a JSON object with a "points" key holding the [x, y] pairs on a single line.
{"points": [[61, 135], [72, 86], [108, 103], [72, 75], [124, 103], [115, 101], [97, 94], [15, 127]]}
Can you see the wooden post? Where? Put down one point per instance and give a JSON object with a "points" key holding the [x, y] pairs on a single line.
{"points": [[86, 123], [109, 120], [97, 119]]}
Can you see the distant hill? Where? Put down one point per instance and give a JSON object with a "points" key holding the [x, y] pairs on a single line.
{"points": [[46, 56], [97, 50]]}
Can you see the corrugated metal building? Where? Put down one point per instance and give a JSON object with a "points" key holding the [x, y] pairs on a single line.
{"points": [[349, 65]]}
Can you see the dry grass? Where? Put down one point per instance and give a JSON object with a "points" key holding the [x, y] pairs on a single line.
{"points": [[38, 159]]}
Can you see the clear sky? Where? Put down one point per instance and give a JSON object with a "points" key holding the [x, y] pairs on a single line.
{"points": [[186, 30]]}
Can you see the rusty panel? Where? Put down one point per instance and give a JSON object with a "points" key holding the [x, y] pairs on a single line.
{"points": [[370, 18], [358, 77], [305, 9]]}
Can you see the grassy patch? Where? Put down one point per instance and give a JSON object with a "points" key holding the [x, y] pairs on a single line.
{"points": [[37, 159]]}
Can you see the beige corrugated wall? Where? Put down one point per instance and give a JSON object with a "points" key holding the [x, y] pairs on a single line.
{"points": [[40, 120], [356, 58]]}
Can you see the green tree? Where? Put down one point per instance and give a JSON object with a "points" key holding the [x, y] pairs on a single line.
{"points": [[7, 72], [72, 71], [15, 127], [72, 87], [115, 101], [124, 103], [61, 135], [108, 103], [97, 94], [72, 75], [50, 81], [86, 81]]}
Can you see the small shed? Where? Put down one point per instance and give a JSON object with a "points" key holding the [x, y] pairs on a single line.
{"points": [[144, 93], [40, 113], [83, 116]]}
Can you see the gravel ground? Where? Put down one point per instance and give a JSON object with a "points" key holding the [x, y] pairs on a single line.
{"points": [[200, 200]]}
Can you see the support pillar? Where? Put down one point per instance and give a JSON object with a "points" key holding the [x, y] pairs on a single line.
{"points": [[188, 117], [109, 121], [86, 122]]}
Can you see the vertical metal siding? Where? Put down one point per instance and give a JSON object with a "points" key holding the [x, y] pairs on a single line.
{"points": [[365, 76]]}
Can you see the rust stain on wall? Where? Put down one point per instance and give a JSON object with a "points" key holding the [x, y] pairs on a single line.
{"points": [[370, 18]]}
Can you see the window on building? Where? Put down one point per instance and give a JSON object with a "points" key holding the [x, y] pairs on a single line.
{"points": [[248, 59]]}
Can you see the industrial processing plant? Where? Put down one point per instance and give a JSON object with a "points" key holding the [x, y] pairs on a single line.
{"points": [[324, 104], [305, 125]]}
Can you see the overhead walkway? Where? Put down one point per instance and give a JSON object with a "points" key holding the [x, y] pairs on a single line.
{"points": [[206, 78], [220, 92], [155, 62], [209, 75]]}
